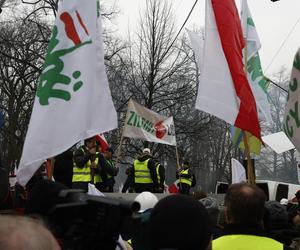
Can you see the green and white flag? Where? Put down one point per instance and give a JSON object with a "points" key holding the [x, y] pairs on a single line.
{"points": [[143, 123], [73, 99], [291, 122], [255, 75]]}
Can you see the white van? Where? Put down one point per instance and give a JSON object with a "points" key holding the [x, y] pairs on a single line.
{"points": [[274, 190]]}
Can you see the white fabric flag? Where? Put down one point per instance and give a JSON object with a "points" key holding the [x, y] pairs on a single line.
{"points": [[197, 43], [254, 71], [291, 121], [279, 142], [238, 171], [215, 76], [73, 99], [145, 124]]}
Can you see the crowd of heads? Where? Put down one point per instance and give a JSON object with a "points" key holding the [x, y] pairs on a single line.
{"points": [[182, 222]]}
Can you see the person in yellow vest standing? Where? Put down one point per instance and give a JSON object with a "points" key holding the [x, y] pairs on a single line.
{"points": [[186, 178], [85, 162], [144, 171], [244, 211]]}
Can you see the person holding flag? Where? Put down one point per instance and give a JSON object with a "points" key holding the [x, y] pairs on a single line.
{"points": [[73, 80], [85, 162]]}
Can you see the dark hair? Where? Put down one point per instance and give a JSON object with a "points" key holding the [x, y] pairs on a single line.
{"points": [[186, 220], [245, 203], [87, 140]]}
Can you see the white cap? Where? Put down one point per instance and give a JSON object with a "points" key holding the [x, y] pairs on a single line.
{"points": [[147, 200], [284, 201], [146, 150]]}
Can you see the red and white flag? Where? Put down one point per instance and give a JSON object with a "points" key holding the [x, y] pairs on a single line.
{"points": [[223, 89], [102, 142]]}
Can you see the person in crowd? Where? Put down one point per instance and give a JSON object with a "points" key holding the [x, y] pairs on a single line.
{"points": [[244, 211], [19, 232], [213, 211], [144, 170], [179, 222], [161, 177], [128, 185], [63, 168], [139, 239], [276, 223], [43, 196], [186, 178], [110, 170], [85, 163]]}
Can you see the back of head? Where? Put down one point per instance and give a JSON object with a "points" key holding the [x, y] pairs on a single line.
{"points": [[147, 200], [22, 233], [43, 196], [179, 222], [244, 203]]}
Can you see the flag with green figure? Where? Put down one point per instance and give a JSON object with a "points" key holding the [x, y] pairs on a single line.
{"points": [[73, 99], [291, 121]]}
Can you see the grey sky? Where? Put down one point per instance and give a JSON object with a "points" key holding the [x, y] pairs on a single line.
{"points": [[273, 20]]}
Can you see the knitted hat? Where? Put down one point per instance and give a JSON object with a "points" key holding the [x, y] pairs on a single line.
{"points": [[179, 222]]}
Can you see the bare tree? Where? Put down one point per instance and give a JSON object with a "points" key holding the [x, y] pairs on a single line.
{"points": [[22, 50]]}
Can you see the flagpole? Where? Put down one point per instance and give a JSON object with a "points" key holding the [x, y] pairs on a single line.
{"points": [[120, 146], [177, 157], [251, 173]]}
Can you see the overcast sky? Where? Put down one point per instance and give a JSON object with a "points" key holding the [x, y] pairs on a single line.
{"points": [[273, 20]]}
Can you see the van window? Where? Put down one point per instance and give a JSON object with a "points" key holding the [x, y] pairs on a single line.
{"points": [[265, 188]]}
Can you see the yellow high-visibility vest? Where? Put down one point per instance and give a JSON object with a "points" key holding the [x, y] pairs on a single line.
{"points": [[157, 172], [184, 179], [83, 174], [97, 177], [245, 242], [141, 172]]}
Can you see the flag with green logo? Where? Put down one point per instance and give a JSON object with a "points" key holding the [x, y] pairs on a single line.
{"points": [[291, 121], [73, 99], [255, 77], [143, 123]]}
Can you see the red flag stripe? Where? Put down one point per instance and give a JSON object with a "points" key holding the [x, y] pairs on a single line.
{"points": [[231, 36], [102, 141]]}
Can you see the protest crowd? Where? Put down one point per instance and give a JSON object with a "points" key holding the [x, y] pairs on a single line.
{"points": [[64, 213], [65, 194]]}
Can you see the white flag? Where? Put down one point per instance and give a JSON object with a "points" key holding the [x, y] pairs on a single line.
{"points": [[291, 121], [255, 75], [145, 124], [73, 99], [223, 89], [197, 43], [238, 171]]}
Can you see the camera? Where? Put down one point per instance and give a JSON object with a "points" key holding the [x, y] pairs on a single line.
{"points": [[82, 221]]}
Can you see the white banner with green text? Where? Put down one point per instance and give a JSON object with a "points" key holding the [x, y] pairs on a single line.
{"points": [[143, 123]]}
